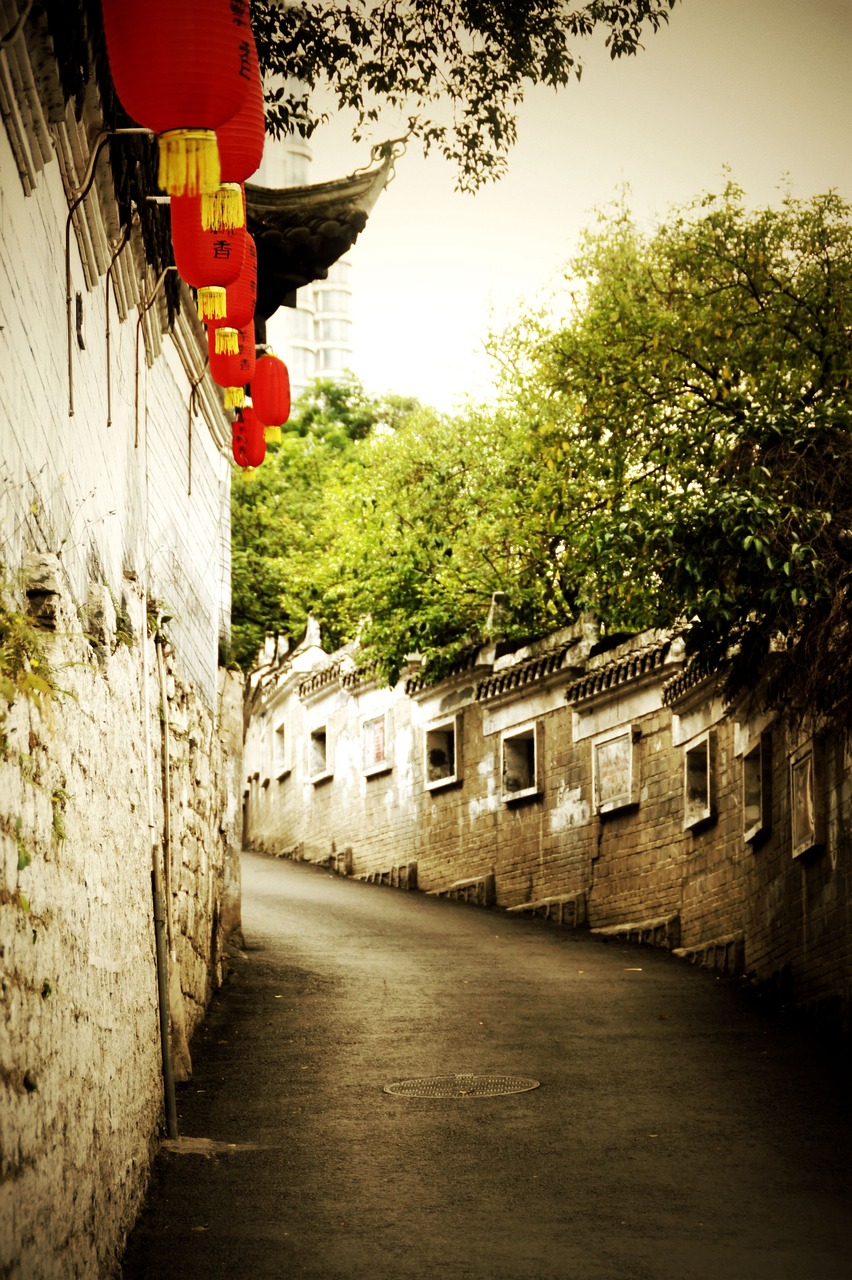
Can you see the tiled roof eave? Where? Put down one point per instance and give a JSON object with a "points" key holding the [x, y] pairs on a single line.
{"points": [[318, 681], [540, 671], [633, 671], [691, 684]]}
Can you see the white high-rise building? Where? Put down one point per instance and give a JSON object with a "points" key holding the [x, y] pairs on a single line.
{"points": [[314, 338]]}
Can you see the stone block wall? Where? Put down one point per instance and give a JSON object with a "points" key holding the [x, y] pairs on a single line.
{"points": [[314, 812], [81, 1094], [639, 854], [647, 864], [797, 916]]}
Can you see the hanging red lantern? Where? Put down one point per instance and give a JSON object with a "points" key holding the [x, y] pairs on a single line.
{"points": [[248, 441], [238, 445], [240, 303], [270, 391], [240, 152], [181, 68], [210, 261], [233, 371]]}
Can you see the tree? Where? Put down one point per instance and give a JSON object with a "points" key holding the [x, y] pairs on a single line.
{"points": [[693, 422], [439, 519], [285, 528], [340, 411], [677, 453], [476, 57]]}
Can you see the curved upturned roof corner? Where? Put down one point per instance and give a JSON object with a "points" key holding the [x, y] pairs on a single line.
{"points": [[302, 231]]}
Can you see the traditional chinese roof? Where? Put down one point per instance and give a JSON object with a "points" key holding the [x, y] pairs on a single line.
{"points": [[320, 679], [340, 670], [302, 231], [466, 661], [361, 675], [530, 671], [643, 661], [695, 673]]}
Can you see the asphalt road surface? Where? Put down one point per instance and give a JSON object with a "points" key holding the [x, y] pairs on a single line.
{"points": [[678, 1132]]}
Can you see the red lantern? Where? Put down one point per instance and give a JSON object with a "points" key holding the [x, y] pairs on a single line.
{"points": [[238, 445], [208, 260], [181, 68], [240, 153], [233, 371], [241, 299], [248, 441], [270, 391]]}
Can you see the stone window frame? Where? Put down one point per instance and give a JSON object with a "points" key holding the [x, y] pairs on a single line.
{"points": [[757, 789], [628, 795], [529, 731], [373, 767], [807, 799], [445, 725], [282, 750], [318, 734], [698, 814]]}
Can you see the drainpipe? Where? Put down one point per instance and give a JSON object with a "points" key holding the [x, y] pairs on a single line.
{"points": [[180, 1056], [160, 940], [167, 797]]}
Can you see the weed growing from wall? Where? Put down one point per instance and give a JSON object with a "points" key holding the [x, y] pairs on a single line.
{"points": [[25, 671]]}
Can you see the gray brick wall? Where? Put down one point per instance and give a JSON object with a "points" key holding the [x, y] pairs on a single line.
{"points": [[634, 865]]}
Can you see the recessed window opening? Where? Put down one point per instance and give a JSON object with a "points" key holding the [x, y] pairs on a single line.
{"points": [[441, 754], [318, 760], [756, 784], [280, 751], [519, 764], [697, 782]]}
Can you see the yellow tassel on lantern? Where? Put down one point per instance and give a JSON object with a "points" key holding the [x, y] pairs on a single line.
{"points": [[272, 435], [189, 161], [227, 341], [212, 301], [222, 209], [235, 397]]}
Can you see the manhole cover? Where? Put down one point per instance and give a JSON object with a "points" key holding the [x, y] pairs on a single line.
{"points": [[461, 1086]]}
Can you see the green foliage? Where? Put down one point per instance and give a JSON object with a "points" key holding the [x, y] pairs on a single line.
{"points": [[123, 626], [58, 800], [693, 421], [439, 521], [677, 450], [25, 671], [24, 855], [286, 533], [471, 62]]}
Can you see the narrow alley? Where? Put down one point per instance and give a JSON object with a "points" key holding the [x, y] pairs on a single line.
{"points": [[678, 1130]]}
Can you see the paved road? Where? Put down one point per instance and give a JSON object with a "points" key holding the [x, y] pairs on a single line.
{"points": [[679, 1132]]}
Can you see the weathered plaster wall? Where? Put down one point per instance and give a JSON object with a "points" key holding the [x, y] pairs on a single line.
{"points": [[132, 501], [80, 1069], [122, 503]]}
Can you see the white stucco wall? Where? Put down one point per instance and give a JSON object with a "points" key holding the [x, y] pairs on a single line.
{"points": [[107, 519]]}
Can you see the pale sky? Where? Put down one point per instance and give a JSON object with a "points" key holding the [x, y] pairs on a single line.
{"points": [[762, 86]]}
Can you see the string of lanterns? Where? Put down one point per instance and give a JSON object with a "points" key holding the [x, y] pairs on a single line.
{"points": [[188, 70]]}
